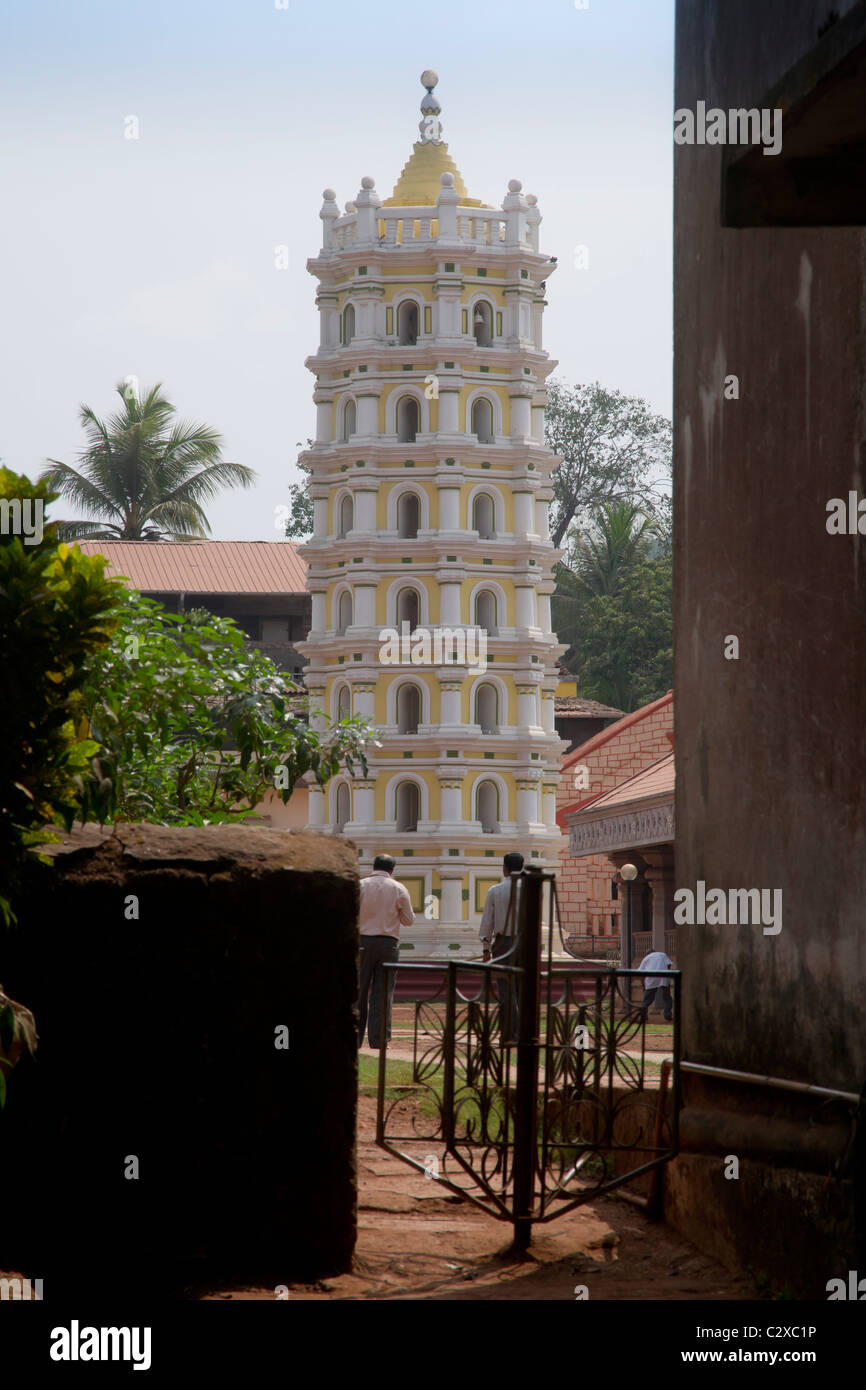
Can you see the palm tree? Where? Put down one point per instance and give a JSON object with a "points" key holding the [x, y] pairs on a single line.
{"points": [[618, 535], [144, 474]]}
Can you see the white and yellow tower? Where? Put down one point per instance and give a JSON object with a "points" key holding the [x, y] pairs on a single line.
{"points": [[431, 483]]}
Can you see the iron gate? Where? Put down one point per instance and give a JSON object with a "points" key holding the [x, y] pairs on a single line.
{"points": [[530, 1130]]}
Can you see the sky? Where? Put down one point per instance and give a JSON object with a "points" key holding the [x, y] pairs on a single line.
{"points": [[155, 256]]}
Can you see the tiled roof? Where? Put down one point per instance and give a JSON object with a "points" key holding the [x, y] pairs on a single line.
{"points": [[205, 567], [591, 709], [655, 780]]}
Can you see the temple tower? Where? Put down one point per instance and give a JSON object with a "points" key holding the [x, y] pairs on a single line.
{"points": [[430, 564]]}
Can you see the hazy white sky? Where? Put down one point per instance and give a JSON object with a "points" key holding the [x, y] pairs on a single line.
{"points": [[156, 256]]}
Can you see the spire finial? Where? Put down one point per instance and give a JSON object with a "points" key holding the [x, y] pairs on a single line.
{"points": [[430, 125]]}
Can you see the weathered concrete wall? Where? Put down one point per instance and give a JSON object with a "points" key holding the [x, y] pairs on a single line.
{"points": [[770, 746], [157, 1039]]}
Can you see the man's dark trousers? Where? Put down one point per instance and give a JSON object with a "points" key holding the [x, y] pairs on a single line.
{"points": [[506, 987], [662, 996], [375, 950]]}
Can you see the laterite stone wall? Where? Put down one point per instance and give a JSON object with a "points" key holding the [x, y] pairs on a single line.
{"points": [[160, 964]]}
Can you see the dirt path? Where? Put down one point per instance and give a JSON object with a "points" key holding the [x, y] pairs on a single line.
{"points": [[417, 1242]]}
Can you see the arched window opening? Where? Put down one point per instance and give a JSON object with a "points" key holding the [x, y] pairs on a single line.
{"points": [[482, 516], [407, 323], [344, 612], [482, 421], [408, 420], [350, 418], [485, 611], [408, 516], [408, 608], [408, 806], [342, 810], [348, 324], [344, 703], [487, 709], [408, 709], [487, 808], [482, 324], [347, 516]]}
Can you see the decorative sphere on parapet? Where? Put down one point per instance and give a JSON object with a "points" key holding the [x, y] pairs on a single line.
{"points": [[532, 200], [367, 182], [329, 195], [429, 78], [514, 185], [446, 180]]}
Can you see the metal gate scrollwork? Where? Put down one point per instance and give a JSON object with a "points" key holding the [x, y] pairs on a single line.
{"points": [[530, 1130]]}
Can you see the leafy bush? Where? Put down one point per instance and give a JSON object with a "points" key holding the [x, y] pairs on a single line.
{"points": [[195, 727], [56, 613]]}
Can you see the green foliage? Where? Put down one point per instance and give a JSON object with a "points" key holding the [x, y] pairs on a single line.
{"points": [[613, 448], [143, 474], [17, 1033], [615, 539], [196, 726], [56, 612], [300, 522], [625, 654]]}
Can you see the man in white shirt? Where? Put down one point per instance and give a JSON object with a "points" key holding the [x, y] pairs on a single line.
{"points": [[497, 933], [385, 905], [657, 987]]}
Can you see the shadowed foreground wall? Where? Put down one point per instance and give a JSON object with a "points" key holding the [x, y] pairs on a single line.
{"points": [[157, 1039], [769, 747]]}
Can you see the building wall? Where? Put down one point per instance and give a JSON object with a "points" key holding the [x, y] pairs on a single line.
{"points": [[770, 745], [612, 756]]}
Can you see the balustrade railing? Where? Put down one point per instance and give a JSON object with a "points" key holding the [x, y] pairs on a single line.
{"points": [[402, 226]]}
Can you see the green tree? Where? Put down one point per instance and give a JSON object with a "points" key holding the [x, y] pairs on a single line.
{"points": [[617, 537], [57, 610], [625, 655], [196, 727], [145, 475], [611, 446], [300, 522]]}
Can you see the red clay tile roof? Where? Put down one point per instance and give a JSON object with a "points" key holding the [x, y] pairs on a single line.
{"points": [[655, 780], [205, 567]]}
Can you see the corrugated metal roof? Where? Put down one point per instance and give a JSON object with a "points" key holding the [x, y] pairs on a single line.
{"points": [[205, 567]]}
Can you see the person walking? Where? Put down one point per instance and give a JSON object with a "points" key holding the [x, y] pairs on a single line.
{"points": [[657, 987], [497, 932], [385, 906]]}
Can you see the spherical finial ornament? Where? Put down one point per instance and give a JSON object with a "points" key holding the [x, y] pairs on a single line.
{"points": [[367, 182], [446, 180], [514, 185], [531, 199], [329, 195], [350, 207], [429, 78]]}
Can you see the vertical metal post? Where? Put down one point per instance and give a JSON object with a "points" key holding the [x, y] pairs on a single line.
{"points": [[383, 1059], [629, 947], [448, 1116], [526, 1101]]}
